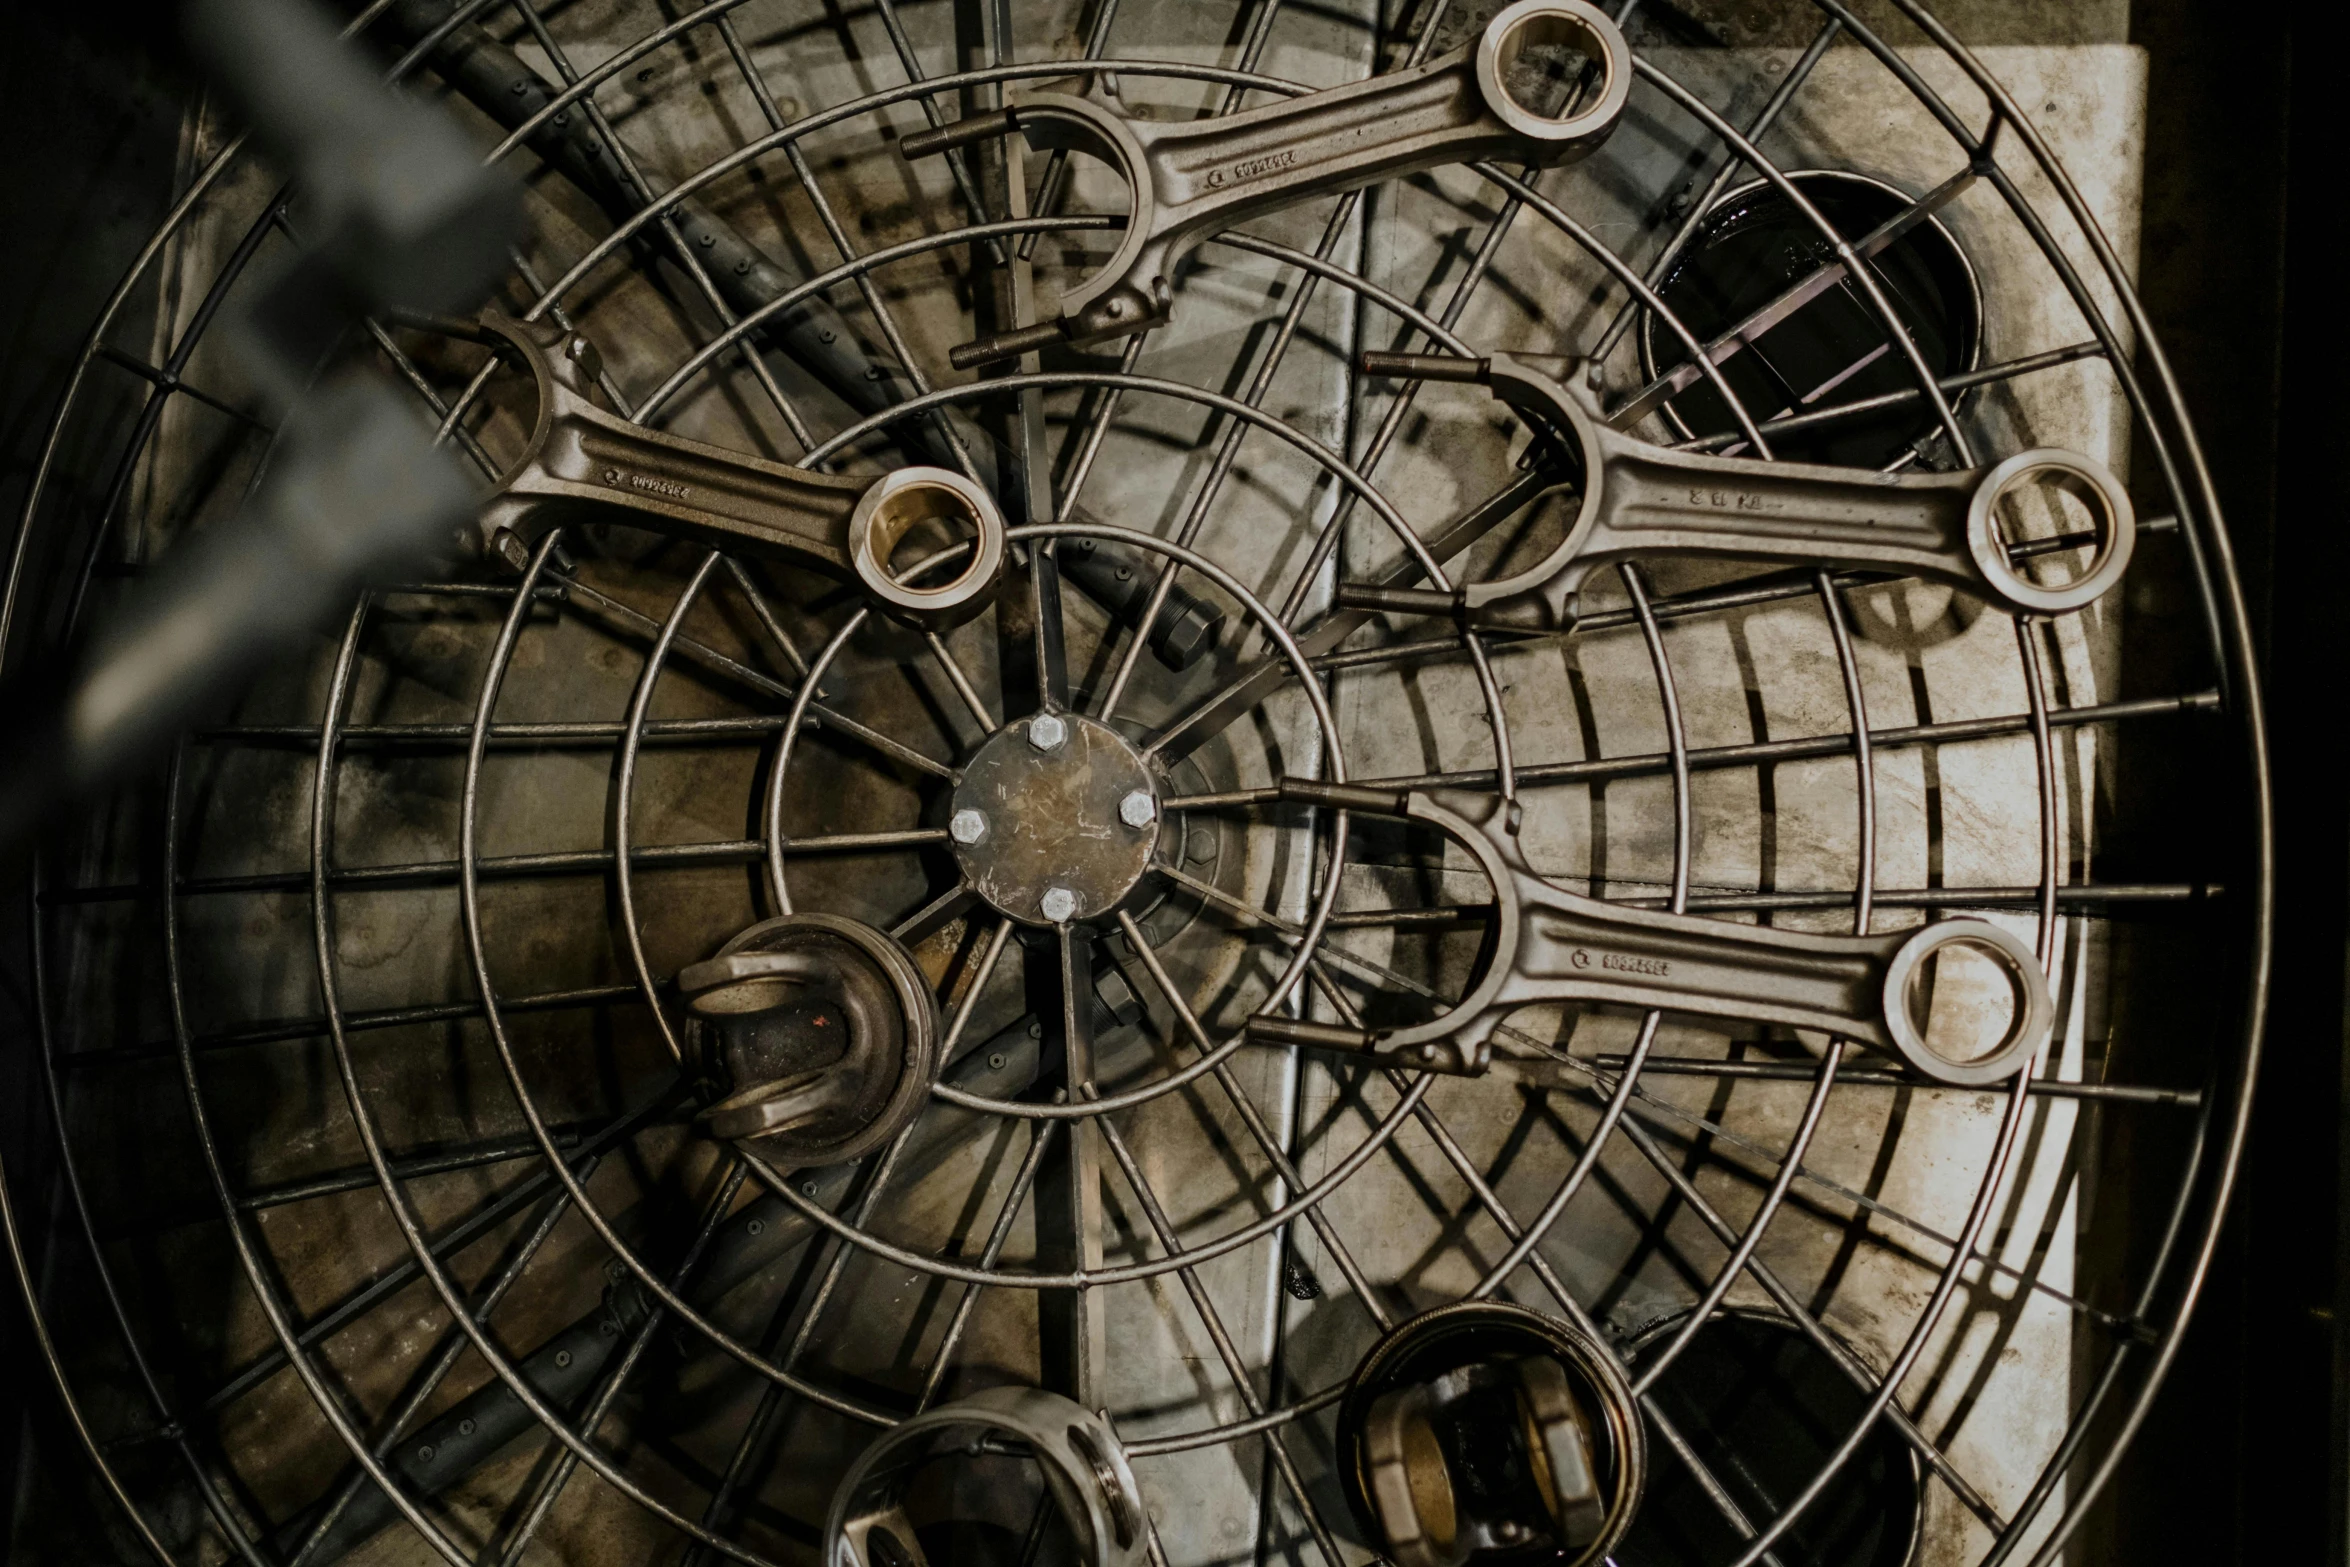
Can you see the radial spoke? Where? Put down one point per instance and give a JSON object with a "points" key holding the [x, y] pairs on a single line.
{"points": [[961, 682], [1069, 1194], [649, 629], [1234, 1366], [935, 915], [445, 1356], [1253, 1119], [600, 1404], [1023, 1181], [1204, 719]]}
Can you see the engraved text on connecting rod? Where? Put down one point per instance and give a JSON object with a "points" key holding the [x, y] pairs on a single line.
{"points": [[1638, 501], [1194, 179], [583, 462]]}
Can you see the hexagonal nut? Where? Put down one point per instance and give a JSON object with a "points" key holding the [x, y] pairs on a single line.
{"points": [[1410, 1487], [1117, 995], [1047, 731], [1139, 809], [1058, 904], [967, 827], [1184, 634]]}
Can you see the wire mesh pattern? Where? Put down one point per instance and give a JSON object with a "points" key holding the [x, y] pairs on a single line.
{"points": [[371, 1086]]}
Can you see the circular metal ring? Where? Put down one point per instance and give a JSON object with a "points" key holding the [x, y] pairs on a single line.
{"points": [[1505, 37], [1472, 1333], [1083, 1464], [2096, 484], [2027, 1028], [901, 501]]}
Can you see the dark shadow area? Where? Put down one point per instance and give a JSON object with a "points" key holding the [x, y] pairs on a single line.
{"points": [[90, 108], [2239, 264]]}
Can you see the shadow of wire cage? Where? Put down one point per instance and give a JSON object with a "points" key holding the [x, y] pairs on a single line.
{"points": [[372, 1098]]}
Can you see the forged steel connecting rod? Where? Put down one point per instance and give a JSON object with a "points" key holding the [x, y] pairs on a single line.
{"points": [[1640, 501], [1194, 179], [581, 460], [814, 335], [1550, 944]]}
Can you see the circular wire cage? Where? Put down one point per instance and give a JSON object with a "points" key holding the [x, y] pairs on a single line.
{"points": [[388, 1219]]}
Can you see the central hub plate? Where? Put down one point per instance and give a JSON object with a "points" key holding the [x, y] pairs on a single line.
{"points": [[1053, 819]]}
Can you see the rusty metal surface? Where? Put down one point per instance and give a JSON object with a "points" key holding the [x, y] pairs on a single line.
{"points": [[457, 940]]}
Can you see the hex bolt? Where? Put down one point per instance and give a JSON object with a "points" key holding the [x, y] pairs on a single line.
{"points": [[1057, 904], [1046, 731], [967, 827], [1138, 809]]}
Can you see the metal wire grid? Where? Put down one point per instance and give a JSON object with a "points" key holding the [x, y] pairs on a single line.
{"points": [[560, 1159]]}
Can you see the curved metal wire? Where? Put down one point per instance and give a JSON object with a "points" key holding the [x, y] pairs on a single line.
{"points": [[2173, 1277]]}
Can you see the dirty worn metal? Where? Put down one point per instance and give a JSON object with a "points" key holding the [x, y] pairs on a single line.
{"points": [[1061, 839], [582, 462], [1083, 1467], [1187, 625], [1265, 1224], [1191, 180], [757, 1237], [1639, 501], [822, 1031], [1486, 1428], [1549, 944]]}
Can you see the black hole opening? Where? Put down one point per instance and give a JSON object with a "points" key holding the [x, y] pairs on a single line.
{"points": [[1750, 248], [1763, 1407]]}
